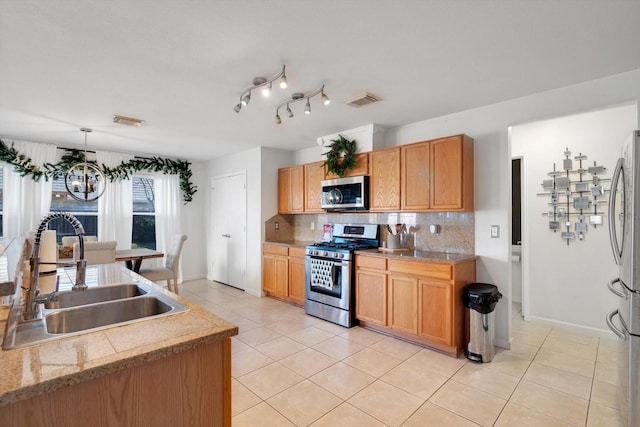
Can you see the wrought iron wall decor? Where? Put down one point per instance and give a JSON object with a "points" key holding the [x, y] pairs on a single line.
{"points": [[575, 203]]}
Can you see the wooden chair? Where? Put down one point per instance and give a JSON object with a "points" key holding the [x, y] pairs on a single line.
{"points": [[96, 252], [170, 270], [70, 240]]}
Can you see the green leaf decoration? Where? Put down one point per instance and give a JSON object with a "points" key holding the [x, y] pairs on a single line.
{"points": [[22, 164], [341, 147]]}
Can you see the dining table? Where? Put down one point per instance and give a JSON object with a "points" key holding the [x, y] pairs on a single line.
{"points": [[133, 257]]}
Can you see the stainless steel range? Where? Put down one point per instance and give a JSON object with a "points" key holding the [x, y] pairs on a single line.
{"points": [[330, 272]]}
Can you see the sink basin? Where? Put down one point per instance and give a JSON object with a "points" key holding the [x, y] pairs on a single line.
{"points": [[68, 299], [80, 312], [108, 313]]}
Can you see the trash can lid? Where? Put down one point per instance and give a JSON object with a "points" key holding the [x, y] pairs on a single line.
{"points": [[481, 297], [481, 289]]}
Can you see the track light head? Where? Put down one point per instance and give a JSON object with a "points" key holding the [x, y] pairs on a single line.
{"points": [[325, 99], [237, 108], [289, 112], [283, 80], [266, 90], [246, 99], [278, 120], [307, 108]]}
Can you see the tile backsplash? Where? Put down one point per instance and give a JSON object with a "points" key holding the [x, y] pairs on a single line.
{"points": [[456, 234]]}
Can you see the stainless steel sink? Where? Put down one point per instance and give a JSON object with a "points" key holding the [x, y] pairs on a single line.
{"points": [[93, 295], [108, 313], [79, 312]]}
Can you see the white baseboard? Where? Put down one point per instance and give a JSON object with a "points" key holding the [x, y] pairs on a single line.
{"points": [[572, 327], [194, 277], [255, 293], [502, 344]]}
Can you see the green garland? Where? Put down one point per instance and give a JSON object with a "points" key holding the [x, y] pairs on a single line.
{"points": [[341, 147], [22, 164]]}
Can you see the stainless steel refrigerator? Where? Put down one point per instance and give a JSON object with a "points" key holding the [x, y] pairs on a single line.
{"points": [[624, 230]]}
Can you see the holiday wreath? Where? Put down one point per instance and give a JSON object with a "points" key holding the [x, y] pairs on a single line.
{"points": [[344, 148]]}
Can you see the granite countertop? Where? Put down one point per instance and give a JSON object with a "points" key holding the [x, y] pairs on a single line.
{"points": [[421, 256], [293, 243], [41, 368]]}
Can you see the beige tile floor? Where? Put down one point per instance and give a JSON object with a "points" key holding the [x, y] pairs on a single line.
{"points": [[290, 369]]}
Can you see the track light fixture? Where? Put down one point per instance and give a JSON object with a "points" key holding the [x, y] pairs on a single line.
{"points": [[265, 85], [301, 97]]}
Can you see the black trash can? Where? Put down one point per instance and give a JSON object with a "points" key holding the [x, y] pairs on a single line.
{"points": [[481, 300]]}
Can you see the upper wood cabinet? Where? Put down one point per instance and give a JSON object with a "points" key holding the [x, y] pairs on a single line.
{"points": [[384, 181], [437, 175], [313, 176], [361, 168], [416, 179], [452, 173], [291, 190]]}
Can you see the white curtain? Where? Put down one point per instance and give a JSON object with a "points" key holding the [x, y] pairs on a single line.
{"points": [[167, 206], [26, 201], [115, 207]]}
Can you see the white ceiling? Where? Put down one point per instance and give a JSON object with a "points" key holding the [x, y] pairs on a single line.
{"points": [[182, 65]]}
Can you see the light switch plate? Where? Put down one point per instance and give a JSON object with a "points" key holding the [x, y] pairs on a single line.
{"points": [[495, 231]]}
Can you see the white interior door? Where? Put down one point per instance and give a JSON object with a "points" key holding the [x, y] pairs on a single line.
{"points": [[228, 225]]}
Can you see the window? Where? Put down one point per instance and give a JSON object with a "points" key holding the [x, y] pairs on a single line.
{"points": [[144, 213], [86, 212]]}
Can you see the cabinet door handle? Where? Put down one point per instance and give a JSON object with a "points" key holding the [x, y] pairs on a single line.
{"points": [[226, 235]]}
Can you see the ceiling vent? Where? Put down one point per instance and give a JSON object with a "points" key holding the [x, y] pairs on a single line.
{"points": [[363, 99], [129, 121]]}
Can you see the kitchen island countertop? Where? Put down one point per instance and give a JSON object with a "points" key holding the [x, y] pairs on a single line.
{"points": [[41, 368]]}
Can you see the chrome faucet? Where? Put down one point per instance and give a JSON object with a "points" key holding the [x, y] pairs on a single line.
{"points": [[32, 299]]}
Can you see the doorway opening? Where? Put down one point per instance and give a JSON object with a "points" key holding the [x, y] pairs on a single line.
{"points": [[516, 237]]}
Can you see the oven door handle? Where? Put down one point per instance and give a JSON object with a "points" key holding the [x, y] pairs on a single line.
{"points": [[337, 263]]}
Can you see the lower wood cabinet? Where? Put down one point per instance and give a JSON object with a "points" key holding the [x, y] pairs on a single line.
{"points": [[283, 272], [403, 304], [414, 300], [371, 289], [296, 276], [435, 310], [275, 270]]}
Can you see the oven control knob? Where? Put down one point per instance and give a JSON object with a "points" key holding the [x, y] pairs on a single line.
{"points": [[341, 255], [315, 252], [324, 253]]}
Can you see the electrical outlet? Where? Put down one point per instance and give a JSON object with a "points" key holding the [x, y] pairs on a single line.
{"points": [[276, 225], [313, 225], [495, 231]]}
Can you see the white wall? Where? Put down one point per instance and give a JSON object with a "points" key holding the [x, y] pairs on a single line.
{"points": [[565, 284], [488, 126]]}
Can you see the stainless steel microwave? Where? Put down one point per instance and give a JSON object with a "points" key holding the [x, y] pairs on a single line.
{"points": [[346, 194]]}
